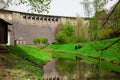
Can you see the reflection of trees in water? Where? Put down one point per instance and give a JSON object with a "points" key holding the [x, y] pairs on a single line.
{"points": [[67, 68], [83, 69], [80, 70], [75, 69], [95, 72]]}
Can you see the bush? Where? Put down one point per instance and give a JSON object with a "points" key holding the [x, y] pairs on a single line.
{"points": [[55, 43], [44, 40], [105, 33], [68, 28], [40, 40], [61, 37], [37, 40], [66, 33]]}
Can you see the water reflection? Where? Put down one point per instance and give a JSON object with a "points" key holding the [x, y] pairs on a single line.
{"points": [[66, 69], [80, 70]]}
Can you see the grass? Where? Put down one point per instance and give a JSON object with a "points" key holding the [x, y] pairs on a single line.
{"points": [[67, 51], [102, 64], [17, 68], [32, 53], [93, 49], [63, 55], [63, 47]]}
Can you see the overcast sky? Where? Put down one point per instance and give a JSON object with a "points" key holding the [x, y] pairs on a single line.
{"points": [[63, 8]]}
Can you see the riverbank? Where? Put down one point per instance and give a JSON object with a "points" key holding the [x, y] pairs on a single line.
{"points": [[104, 53], [13, 67]]}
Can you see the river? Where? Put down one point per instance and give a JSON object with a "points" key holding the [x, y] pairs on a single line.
{"points": [[66, 69]]}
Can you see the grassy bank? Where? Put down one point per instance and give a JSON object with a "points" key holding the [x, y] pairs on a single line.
{"points": [[32, 53], [90, 52], [105, 49], [15, 68], [92, 49]]}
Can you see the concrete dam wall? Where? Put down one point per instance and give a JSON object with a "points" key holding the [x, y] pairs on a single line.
{"points": [[29, 26]]}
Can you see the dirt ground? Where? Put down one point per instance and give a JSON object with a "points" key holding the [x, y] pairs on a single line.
{"points": [[11, 69]]}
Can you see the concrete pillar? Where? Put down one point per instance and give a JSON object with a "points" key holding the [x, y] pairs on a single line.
{"points": [[8, 38]]}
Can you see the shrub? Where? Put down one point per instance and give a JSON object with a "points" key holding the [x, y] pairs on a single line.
{"points": [[44, 40], [37, 40], [40, 40], [105, 33], [66, 33], [61, 37], [55, 43], [68, 28]]}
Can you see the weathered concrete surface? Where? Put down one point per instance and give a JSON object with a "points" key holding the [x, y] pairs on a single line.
{"points": [[29, 26]]}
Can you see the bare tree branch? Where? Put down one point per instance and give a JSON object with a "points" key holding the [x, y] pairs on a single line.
{"points": [[108, 17]]}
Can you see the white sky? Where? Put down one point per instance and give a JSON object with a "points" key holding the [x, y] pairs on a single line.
{"points": [[63, 7]]}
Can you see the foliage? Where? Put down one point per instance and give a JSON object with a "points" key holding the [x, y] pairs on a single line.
{"points": [[94, 29], [55, 43], [98, 5], [61, 37], [93, 49], [40, 40], [95, 6], [39, 6], [111, 28], [87, 7], [59, 28], [81, 33], [105, 33], [44, 40], [66, 33], [117, 15], [68, 28], [37, 40]]}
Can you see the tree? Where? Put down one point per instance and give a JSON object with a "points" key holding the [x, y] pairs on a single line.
{"points": [[95, 5], [68, 28], [98, 5], [110, 27], [91, 6], [87, 7], [59, 28], [65, 34], [80, 30], [61, 37], [39, 6]]}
